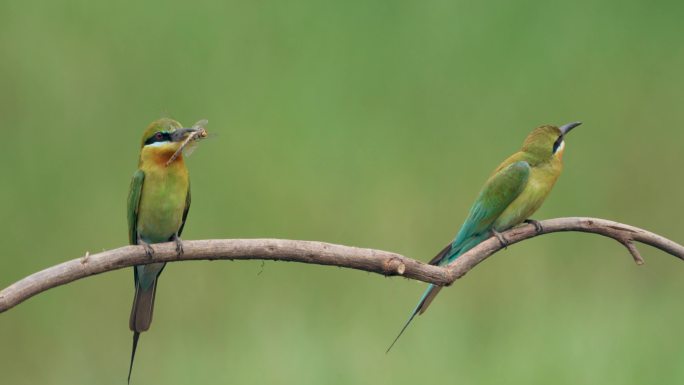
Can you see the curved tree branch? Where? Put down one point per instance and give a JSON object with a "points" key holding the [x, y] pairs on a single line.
{"points": [[376, 261]]}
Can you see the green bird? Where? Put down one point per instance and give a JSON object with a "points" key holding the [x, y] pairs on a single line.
{"points": [[158, 204], [514, 191]]}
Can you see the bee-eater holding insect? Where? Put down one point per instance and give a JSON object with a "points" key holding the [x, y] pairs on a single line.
{"points": [[158, 204], [515, 190]]}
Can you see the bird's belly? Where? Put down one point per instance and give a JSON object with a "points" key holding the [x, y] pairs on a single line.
{"points": [[524, 205], [158, 226], [161, 210]]}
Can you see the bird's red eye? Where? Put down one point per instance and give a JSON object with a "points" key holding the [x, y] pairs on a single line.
{"points": [[159, 136]]}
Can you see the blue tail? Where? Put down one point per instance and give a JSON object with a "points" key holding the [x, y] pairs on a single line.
{"points": [[447, 255], [424, 302], [145, 277]]}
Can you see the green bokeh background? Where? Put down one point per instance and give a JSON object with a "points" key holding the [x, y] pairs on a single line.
{"points": [[368, 123]]}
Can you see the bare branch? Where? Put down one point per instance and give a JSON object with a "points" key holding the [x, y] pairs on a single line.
{"points": [[376, 261]]}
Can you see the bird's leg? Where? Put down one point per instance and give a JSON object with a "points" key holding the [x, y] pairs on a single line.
{"points": [[537, 225], [501, 238], [149, 251], [179, 244]]}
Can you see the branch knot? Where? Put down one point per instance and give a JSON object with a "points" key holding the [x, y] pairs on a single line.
{"points": [[394, 266]]}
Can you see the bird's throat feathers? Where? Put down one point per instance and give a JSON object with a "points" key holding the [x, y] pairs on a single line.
{"points": [[561, 149], [157, 156]]}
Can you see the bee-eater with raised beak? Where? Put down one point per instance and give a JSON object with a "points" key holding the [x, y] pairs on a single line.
{"points": [[514, 191], [158, 204]]}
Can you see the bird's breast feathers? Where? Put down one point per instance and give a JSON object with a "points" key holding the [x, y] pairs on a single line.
{"points": [[162, 201], [539, 184]]}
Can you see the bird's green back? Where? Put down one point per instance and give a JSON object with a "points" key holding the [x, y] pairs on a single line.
{"points": [[496, 195]]}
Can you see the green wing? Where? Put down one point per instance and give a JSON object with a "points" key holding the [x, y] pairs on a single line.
{"points": [[498, 192], [188, 200], [133, 203]]}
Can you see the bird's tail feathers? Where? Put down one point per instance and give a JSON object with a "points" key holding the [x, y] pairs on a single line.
{"points": [[136, 335], [143, 307], [424, 302], [446, 255], [428, 297], [141, 316], [439, 258], [145, 277]]}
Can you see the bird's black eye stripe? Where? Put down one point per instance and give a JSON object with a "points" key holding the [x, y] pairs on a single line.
{"points": [[159, 136], [557, 143]]}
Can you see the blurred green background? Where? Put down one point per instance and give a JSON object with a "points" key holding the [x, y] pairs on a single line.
{"points": [[368, 123]]}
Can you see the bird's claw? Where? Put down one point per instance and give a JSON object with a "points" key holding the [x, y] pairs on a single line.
{"points": [[501, 238], [537, 225], [149, 251], [179, 245]]}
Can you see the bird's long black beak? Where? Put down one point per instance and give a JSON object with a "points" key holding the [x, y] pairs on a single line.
{"points": [[567, 127], [180, 134]]}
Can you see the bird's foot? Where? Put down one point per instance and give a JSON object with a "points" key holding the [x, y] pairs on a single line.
{"points": [[149, 251], [537, 225], [179, 245], [501, 238]]}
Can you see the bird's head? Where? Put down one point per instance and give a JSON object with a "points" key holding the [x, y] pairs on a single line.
{"points": [[162, 138], [546, 142]]}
